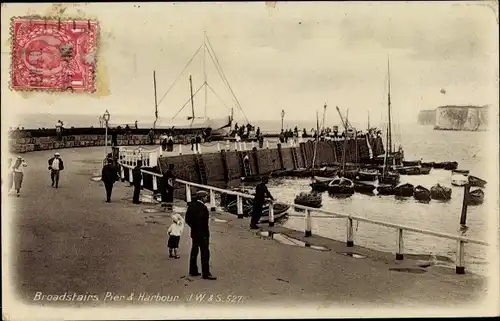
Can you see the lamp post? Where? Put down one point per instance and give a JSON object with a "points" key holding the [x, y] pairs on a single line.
{"points": [[106, 117], [282, 116]]}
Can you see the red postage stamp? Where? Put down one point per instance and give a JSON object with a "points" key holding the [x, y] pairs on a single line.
{"points": [[53, 55]]}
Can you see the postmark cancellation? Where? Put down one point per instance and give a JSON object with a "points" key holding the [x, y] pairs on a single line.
{"points": [[50, 54]]}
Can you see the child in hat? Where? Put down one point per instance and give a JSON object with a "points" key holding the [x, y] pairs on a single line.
{"points": [[174, 232]]}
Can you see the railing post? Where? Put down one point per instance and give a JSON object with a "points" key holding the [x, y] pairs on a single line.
{"points": [[218, 146], [188, 193], [130, 176], [122, 172], [267, 144], [142, 179], [244, 146], [155, 183], [199, 149], [236, 146], [399, 253], [460, 260], [180, 149], [212, 201], [271, 214], [253, 144], [239, 205], [227, 144], [308, 224], [350, 232]]}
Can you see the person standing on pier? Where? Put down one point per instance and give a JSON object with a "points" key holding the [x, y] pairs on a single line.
{"points": [[151, 136], [198, 142], [18, 174], [137, 178], [109, 177], [56, 165], [261, 192], [197, 218], [164, 144], [170, 143], [167, 188]]}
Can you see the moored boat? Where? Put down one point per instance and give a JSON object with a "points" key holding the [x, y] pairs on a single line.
{"points": [[476, 197], [363, 188], [229, 202], [412, 163], [367, 175], [404, 190], [413, 170], [476, 181], [390, 178], [446, 165], [459, 177], [341, 185], [385, 189], [349, 173], [428, 164], [309, 199], [422, 194], [320, 184], [440, 192]]}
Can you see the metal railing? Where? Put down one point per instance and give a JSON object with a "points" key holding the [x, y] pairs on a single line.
{"points": [[461, 240]]}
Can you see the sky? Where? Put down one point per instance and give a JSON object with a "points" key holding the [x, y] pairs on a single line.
{"points": [[294, 56]]}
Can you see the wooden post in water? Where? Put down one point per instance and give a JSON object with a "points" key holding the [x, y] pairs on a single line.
{"points": [[212, 201], [399, 253], [463, 216], [350, 233], [460, 259], [239, 206]]}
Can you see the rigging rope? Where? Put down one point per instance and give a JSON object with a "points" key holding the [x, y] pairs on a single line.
{"points": [[188, 101], [177, 79], [219, 71], [210, 87], [227, 82]]}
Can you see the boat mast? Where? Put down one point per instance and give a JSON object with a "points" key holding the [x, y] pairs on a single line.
{"points": [[156, 101], [345, 141], [324, 114], [389, 134], [368, 122], [316, 143], [205, 69], [192, 97]]}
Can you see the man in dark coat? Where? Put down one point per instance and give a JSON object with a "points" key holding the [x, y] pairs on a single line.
{"points": [[109, 177], [167, 187], [198, 142], [56, 165], [197, 217], [261, 192], [137, 177]]}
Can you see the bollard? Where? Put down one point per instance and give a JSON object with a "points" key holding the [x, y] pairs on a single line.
{"points": [[244, 146], [212, 201], [218, 146], [236, 146], [460, 260], [180, 149], [399, 253], [267, 144], [155, 183], [188, 193], [130, 176], [239, 205], [308, 223], [271, 214], [350, 232]]}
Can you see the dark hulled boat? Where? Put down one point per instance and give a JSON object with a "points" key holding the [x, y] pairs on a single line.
{"points": [[412, 163], [363, 188], [320, 184], [404, 190], [342, 186], [446, 165], [389, 178], [368, 175], [476, 181], [413, 170], [422, 194], [440, 192], [476, 197], [309, 199], [385, 189]]}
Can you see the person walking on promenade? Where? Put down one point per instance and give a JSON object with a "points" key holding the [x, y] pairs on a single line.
{"points": [[174, 235], [261, 192], [197, 217], [137, 178], [56, 165], [18, 174], [109, 177], [59, 129]]}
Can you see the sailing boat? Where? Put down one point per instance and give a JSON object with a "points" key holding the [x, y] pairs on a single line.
{"points": [[387, 177], [319, 184], [213, 127]]}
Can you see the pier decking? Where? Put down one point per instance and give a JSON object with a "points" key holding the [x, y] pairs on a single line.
{"points": [[70, 240]]}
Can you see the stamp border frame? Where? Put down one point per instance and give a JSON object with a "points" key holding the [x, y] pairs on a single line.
{"points": [[61, 19]]}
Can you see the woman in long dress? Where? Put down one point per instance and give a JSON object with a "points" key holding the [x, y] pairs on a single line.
{"points": [[18, 169]]}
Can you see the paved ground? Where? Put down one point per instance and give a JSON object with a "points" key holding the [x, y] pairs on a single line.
{"points": [[70, 240]]}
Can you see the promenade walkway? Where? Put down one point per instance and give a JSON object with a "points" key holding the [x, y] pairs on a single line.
{"points": [[70, 240]]}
